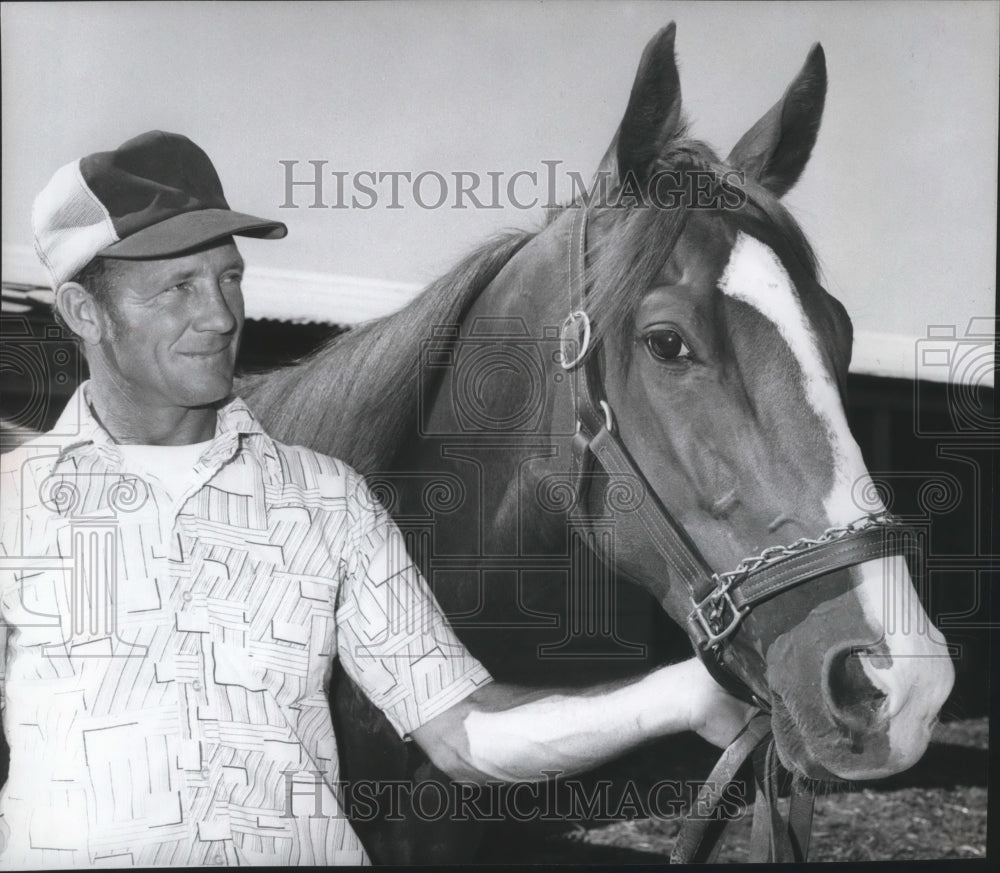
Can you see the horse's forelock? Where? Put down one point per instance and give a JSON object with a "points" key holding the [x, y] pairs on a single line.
{"points": [[630, 245]]}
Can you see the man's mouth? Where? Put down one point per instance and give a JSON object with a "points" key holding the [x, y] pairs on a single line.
{"points": [[207, 353]]}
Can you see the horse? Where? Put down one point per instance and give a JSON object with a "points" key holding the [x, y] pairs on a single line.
{"points": [[580, 421]]}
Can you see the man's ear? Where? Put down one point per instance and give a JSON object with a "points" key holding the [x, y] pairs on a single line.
{"points": [[81, 312]]}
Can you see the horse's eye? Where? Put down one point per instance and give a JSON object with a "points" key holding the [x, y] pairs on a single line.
{"points": [[667, 345]]}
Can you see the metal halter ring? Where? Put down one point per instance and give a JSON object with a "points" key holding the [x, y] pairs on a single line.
{"points": [[579, 315], [609, 419]]}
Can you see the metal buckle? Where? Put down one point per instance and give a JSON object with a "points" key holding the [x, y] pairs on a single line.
{"points": [[568, 363], [716, 603]]}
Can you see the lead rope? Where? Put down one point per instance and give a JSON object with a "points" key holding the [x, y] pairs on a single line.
{"points": [[772, 838]]}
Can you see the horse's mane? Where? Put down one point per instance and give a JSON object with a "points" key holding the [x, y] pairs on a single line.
{"points": [[356, 397]]}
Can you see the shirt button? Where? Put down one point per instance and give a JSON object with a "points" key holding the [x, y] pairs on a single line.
{"points": [[188, 597], [219, 859], [196, 685], [205, 772]]}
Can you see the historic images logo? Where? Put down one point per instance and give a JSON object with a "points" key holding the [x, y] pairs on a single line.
{"points": [[324, 188]]}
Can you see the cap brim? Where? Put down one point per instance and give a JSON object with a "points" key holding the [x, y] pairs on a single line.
{"points": [[191, 230]]}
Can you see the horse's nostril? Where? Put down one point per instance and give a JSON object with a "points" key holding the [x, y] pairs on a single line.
{"points": [[854, 700]]}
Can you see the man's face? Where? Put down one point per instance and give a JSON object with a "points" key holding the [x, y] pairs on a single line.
{"points": [[174, 327]]}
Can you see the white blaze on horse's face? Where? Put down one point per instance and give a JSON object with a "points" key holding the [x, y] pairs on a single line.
{"points": [[756, 276], [917, 676]]}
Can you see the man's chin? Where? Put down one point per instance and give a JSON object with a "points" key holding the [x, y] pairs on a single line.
{"points": [[210, 394]]}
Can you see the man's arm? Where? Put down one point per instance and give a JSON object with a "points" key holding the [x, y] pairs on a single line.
{"points": [[510, 733], [396, 645]]}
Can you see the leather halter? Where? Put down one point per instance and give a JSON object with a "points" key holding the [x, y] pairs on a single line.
{"points": [[772, 838], [719, 601]]}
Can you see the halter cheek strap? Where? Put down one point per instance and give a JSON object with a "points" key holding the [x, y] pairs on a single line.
{"points": [[719, 601]]}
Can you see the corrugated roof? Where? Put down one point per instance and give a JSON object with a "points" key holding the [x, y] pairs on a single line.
{"points": [[21, 299], [35, 301]]}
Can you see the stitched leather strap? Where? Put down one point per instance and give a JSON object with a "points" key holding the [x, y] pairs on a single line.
{"points": [[596, 442], [683, 560], [594, 438], [800, 818], [759, 585], [772, 839], [854, 548], [700, 835]]}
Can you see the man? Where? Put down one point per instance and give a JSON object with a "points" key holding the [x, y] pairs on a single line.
{"points": [[176, 583]]}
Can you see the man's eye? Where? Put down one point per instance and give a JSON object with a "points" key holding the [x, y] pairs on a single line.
{"points": [[233, 278], [667, 345]]}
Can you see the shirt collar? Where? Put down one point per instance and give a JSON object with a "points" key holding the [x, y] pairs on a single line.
{"points": [[77, 427], [78, 430], [237, 426]]}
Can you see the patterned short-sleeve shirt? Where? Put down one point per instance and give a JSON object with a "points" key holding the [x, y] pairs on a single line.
{"points": [[166, 662]]}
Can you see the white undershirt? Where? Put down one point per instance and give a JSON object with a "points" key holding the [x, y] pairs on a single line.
{"points": [[170, 466]]}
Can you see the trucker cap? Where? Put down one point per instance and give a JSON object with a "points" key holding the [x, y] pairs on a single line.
{"points": [[154, 196]]}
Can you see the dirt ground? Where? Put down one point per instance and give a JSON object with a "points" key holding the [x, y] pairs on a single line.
{"points": [[936, 810]]}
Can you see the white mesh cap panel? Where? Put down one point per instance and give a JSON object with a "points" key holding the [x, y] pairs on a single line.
{"points": [[70, 224]]}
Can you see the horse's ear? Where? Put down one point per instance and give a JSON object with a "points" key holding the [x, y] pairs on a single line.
{"points": [[653, 116], [775, 150]]}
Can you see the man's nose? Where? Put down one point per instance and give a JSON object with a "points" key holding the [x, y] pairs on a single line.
{"points": [[215, 313]]}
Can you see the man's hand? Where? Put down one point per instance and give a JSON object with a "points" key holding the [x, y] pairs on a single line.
{"points": [[713, 713]]}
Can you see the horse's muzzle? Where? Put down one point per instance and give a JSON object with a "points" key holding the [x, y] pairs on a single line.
{"points": [[852, 708]]}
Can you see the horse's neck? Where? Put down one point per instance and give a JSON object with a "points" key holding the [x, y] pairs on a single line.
{"points": [[513, 326], [358, 397]]}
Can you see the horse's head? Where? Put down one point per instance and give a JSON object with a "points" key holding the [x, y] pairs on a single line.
{"points": [[725, 362]]}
